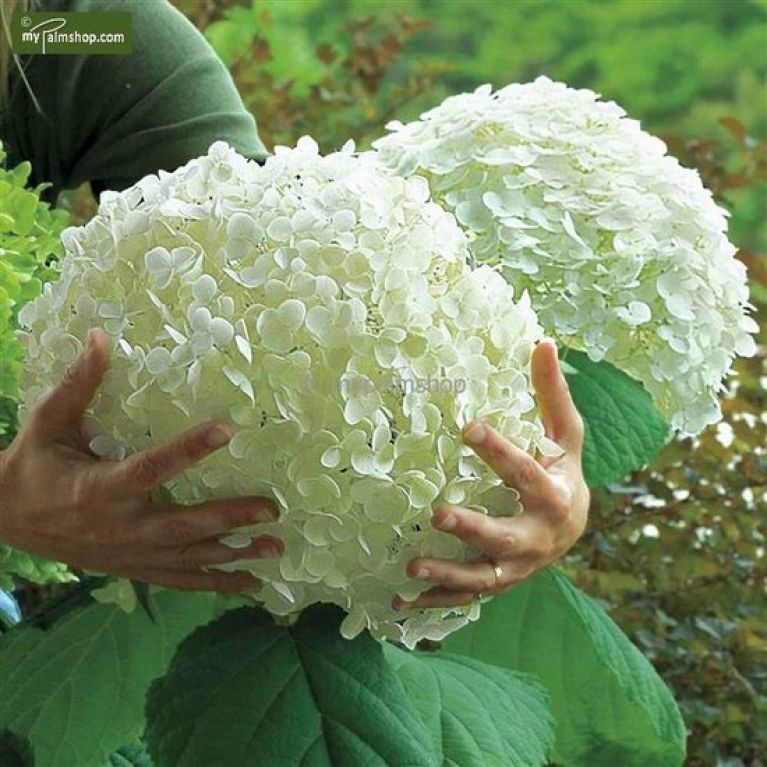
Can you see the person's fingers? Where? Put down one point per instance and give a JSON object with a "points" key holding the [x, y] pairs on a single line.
{"points": [[198, 580], [60, 412], [515, 467], [488, 534], [144, 471], [561, 419], [477, 576], [213, 552], [530, 536], [436, 598], [185, 525]]}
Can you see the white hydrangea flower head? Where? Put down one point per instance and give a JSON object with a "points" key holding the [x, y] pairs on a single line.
{"points": [[624, 252], [326, 307]]}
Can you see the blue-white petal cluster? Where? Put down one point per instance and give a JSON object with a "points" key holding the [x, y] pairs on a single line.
{"points": [[326, 307], [624, 252]]}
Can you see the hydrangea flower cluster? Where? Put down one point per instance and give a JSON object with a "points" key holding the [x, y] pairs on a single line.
{"points": [[326, 307], [624, 252]]}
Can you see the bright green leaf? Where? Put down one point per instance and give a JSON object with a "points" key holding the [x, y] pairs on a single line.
{"points": [[20, 174], [20, 205], [610, 706], [624, 431], [76, 691]]}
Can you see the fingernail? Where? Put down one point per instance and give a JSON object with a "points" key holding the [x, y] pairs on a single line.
{"points": [[218, 436], [265, 513], [475, 432], [90, 341], [422, 573], [398, 604], [448, 522], [270, 547], [556, 352]]}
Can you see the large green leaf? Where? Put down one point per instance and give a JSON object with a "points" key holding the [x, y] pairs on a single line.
{"points": [[75, 691], [246, 691], [479, 715], [623, 429], [610, 706]]}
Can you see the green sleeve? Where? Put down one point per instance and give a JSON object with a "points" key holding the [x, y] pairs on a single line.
{"points": [[112, 119]]}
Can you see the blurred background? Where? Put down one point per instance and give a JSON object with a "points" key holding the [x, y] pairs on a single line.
{"points": [[341, 68], [674, 552]]}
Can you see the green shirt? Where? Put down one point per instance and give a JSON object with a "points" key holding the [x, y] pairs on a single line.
{"points": [[112, 119]]}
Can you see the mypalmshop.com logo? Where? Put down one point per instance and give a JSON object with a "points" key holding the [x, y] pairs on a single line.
{"points": [[91, 32]]}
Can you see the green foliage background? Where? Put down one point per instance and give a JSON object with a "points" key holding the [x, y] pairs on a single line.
{"points": [[30, 246], [675, 552], [677, 65]]}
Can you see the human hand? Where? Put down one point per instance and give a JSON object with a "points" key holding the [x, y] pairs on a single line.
{"points": [[553, 493], [58, 500]]}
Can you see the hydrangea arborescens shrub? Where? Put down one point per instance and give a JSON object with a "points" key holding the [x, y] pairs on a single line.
{"points": [[624, 252], [29, 250], [326, 307]]}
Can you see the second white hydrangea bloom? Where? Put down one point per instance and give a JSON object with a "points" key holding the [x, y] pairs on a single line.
{"points": [[624, 251]]}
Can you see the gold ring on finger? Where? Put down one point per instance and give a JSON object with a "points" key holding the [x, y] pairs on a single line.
{"points": [[498, 570]]}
